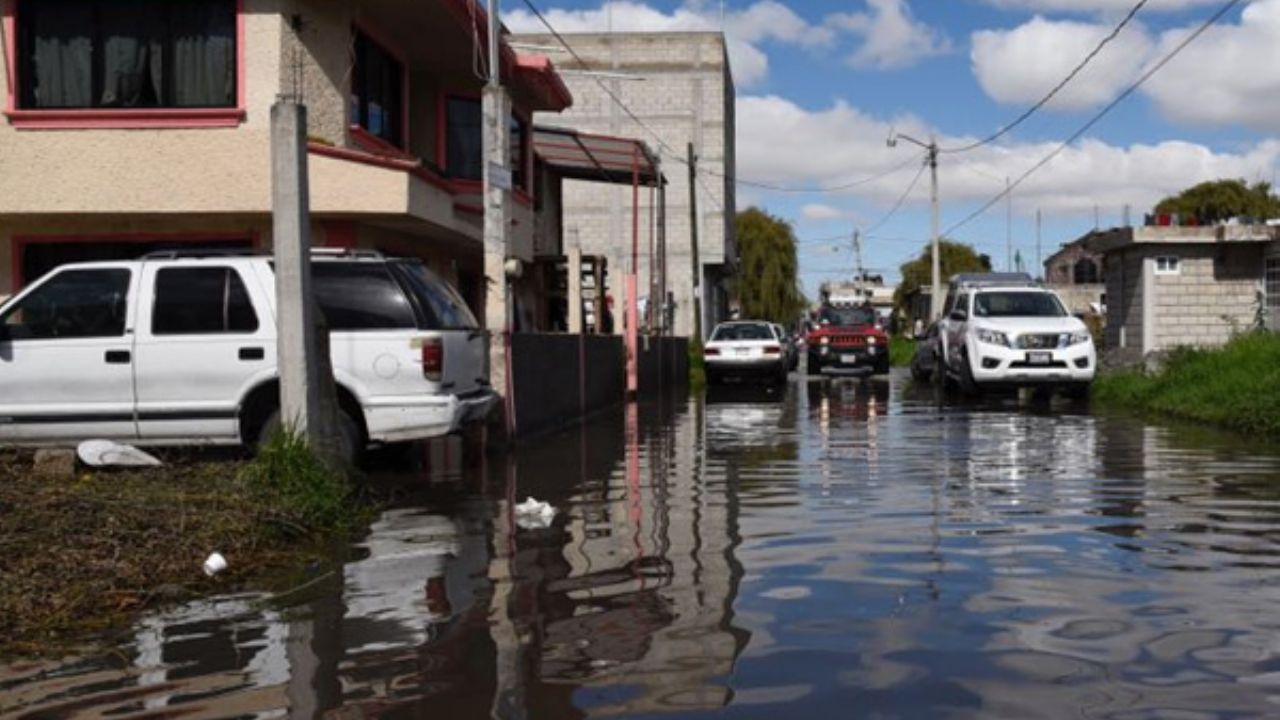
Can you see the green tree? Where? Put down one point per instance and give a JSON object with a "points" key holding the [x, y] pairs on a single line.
{"points": [[1218, 200], [767, 284], [954, 257]]}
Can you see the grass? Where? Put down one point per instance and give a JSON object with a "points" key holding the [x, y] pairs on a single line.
{"points": [[901, 350], [1235, 387], [697, 367], [82, 556]]}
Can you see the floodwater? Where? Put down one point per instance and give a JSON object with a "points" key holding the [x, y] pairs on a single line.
{"points": [[838, 549]]}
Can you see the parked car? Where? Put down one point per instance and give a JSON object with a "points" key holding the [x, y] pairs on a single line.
{"points": [[923, 362], [848, 338], [1006, 330], [745, 348], [180, 349]]}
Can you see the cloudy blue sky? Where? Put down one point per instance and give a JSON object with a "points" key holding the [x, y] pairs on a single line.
{"points": [[821, 83]]}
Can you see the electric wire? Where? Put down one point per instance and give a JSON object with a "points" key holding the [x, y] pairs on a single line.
{"points": [[1124, 22], [1132, 88]]}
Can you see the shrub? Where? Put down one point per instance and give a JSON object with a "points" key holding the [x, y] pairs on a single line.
{"points": [[291, 478]]}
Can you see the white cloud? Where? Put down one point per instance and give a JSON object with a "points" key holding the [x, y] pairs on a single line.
{"points": [[1097, 6], [821, 212], [780, 142], [891, 36], [745, 30], [1019, 66], [1228, 75]]}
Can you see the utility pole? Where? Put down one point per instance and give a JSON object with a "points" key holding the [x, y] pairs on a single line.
{"points": [[932, 148], [693, 240], [1039, 258], [496, 180], [859, 273], [1008, 224]]}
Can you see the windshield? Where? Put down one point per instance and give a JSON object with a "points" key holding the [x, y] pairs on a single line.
{"points": [[742, 332], [847, 316], [1017, 304]]}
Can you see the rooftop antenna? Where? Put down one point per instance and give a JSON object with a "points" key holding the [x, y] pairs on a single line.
{"points": [[722, 16]]}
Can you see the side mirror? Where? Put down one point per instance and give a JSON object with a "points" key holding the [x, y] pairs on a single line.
{"points": [[959, 315]]}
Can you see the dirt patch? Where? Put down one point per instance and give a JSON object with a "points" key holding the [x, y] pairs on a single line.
{"points": [[82, 555]]}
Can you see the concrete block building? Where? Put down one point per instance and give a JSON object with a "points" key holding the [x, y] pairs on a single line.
{"points": [[1174, 286], [1076, 274], [680, 88], [119, 136]]}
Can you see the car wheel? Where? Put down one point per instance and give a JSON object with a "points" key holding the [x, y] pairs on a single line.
{"points": [[920, 374], [814, 365], [350, 442], [713, 377], [1077, 391], [967, 383]]}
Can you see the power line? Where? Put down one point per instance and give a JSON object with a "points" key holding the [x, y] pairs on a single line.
{"points": [[679, 157], [1056, 89], [1213, 19], [901, 199]]}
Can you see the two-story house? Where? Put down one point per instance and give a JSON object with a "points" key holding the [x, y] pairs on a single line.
{"points": [[137, 125]]}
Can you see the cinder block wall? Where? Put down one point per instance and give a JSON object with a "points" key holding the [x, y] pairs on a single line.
{"points": [[1214, 296]]}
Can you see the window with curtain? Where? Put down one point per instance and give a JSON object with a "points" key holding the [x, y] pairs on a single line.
{"points": [[463, 138], [377, 91], [82, 54]]}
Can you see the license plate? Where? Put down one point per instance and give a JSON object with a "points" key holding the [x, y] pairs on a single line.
{"points": [[1039, 358], [742, 352], [849, 359]]}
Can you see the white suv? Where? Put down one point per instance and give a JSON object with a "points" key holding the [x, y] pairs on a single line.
{"points": [[181, 350], [1004, 329]]}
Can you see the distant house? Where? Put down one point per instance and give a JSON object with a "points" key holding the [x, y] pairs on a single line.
{"points": [[1077, 274], [1171, 286]]}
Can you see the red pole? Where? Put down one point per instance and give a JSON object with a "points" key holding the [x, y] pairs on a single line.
{"points": [[633, 335]]}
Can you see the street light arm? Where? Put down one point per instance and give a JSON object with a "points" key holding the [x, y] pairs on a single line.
{"points": [[895, 137]]}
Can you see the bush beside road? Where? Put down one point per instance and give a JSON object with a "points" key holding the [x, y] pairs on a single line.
{"points": [[901, 350], [1235, 387]]}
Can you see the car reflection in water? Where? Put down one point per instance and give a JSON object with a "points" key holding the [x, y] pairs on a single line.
{"points": [[744, 415]]}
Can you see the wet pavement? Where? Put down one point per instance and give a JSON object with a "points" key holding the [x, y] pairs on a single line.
{"points": [[835, 549]]}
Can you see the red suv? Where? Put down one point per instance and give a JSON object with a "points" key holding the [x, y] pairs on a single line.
{"points": [[848, 338]]}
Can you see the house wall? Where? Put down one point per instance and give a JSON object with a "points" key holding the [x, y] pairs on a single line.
{"points": [[1124, 289], [1213, 297], [686, 96]]}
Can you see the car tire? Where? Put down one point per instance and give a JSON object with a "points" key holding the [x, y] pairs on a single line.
{"points": [[712, 377], [350, 441], [967, 384], [814, 365], [1077, 391]]}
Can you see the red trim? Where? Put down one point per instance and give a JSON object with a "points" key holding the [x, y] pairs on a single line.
{"points": [[410, 165], [110, 118], [339, 233], [384, 42], [20, 242], [376, 145], [474, 209]]}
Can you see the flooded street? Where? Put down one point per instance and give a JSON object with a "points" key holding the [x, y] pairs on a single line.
{"points": [[837, 549]]}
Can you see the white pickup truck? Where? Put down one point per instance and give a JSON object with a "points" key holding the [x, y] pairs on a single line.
{"points": [[181, 350]]}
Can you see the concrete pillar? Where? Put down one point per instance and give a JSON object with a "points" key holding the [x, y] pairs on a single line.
{"points": [[1148, 305], [574, 283], [497, 226], [291, 239]]}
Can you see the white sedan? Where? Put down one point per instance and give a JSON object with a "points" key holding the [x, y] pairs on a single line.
{"points": [[743, 348]]}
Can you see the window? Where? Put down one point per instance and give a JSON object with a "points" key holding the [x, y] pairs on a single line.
{"points": [[439, 300], [1273, 282], [463, 139], [201, 301], [82, 54], [728, 333], [519, 146], [1017, 304], [1168, 265], [360, 296], [847, 316], [1086, 272], [72, 304], [377, 91]]}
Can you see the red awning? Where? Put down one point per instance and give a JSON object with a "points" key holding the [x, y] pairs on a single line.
{"points": [[599, 158], [538, 74]]}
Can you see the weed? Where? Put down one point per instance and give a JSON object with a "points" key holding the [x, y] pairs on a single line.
{"points": [[303, 489], [901, 350]]}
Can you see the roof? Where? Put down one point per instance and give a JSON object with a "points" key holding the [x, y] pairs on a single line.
{"points": [[601, 158], [1106, 241], [993, 279], [547, 85]]}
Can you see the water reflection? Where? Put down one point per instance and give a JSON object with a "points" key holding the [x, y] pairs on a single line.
{"points": [[838, 548]]}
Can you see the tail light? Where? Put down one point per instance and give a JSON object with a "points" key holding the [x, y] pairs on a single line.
{"points": [[433, 359], [711, 352], [772, 350]]}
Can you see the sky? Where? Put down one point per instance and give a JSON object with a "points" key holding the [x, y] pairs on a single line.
{"points": [[821, 85]]}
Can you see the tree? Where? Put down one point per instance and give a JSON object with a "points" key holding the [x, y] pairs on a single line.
{"points": [[1219, 200], [767, 285], [954, 257]]}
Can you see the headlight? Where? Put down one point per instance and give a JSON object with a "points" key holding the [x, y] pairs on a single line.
{"points": [[871, 340], [993, 337], [825, 341], [1077, 338]]}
